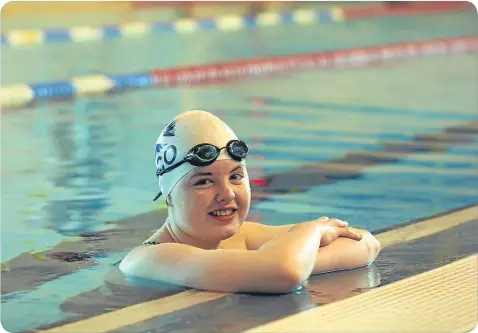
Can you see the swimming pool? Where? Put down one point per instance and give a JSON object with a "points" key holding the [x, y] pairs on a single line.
{"points": [[78, 177]]}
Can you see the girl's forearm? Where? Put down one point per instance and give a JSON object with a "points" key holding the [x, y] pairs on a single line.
{"points": [[298, 248], [345, 253]]}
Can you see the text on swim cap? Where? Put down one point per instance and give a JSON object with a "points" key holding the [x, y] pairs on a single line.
{"points": [[169, 154]]}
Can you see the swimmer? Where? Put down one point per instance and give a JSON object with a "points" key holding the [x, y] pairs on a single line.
{"points": [[205, 242]]}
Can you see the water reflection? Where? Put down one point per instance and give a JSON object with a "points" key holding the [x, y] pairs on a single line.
{"points": [[80, 143], [117, 292], [331, 287]]}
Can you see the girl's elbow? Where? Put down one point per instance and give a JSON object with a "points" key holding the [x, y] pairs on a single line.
{"points": [[132, 264], [125, 266], [292, 277]]}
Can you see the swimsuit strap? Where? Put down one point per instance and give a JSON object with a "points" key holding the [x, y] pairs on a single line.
{"points": [[153, 242]]}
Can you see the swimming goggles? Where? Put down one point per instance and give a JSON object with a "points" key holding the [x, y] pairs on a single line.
{"points": [[205, 154]]}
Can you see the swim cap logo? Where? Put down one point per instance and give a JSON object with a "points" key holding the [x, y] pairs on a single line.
{"points": [[169, 155], [170, 130], [159, 147], [165, 152]]}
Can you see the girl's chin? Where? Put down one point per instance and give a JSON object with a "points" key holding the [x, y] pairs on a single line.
{"points": [[229, 230], [228, 235]]}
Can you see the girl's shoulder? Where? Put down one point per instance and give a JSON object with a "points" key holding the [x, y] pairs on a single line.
{"points": [[236, 242], [239, 240]]}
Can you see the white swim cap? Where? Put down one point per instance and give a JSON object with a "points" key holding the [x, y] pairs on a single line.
{"points": [[179, 136]]}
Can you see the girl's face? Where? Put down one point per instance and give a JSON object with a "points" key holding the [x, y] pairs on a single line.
{"points": [[211, 203]]}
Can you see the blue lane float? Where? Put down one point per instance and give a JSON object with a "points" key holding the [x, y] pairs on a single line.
{"points": [[182, 26], [227, 22], [18, 95]]}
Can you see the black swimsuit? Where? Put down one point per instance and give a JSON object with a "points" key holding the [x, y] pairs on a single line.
{"points": [[150, 243]]}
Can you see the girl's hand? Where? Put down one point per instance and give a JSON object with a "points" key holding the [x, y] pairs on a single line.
{"points": [[332, 229]]}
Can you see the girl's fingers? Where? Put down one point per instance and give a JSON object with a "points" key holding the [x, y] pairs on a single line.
{"points": [[343, 223], [338, 223], [346, 232]]}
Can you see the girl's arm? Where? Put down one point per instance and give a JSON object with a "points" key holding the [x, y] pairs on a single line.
{"points": [[346, 253], [283, 265], [342, 253]]}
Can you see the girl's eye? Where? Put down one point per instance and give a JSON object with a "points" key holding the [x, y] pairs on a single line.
{"points": [[237, 176], [203, 182]]}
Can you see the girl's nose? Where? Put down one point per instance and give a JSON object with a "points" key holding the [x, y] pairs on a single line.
{"points": [[225, 193]]}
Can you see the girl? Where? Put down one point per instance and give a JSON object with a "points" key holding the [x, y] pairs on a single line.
{"points": [[205, 242]]}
